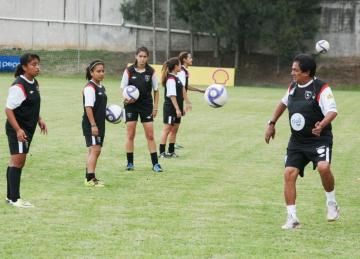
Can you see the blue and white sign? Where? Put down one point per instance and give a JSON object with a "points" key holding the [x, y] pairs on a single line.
{"points": [[9, 63]]}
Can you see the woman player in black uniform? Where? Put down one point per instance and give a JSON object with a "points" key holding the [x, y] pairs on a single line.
{"points": [[22, 111], [93, 123], [175, 94], [141, 75], [186, 61]]}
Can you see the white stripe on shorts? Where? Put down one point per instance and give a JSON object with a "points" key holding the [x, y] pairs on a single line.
{"points": [[21, 147], [93, 140], [169, 120], [327, 155]]}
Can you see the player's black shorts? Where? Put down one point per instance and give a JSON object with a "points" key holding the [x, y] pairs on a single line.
{"points": [[132, 113], [299, 156], [93, 141], [170, 117], [17, 147]]}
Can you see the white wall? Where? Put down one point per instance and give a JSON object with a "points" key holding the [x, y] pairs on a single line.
{"points": [[340, 26]]}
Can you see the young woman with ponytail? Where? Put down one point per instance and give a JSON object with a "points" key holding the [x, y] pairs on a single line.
{"points": [[23, 114], [142, 76], [93, 123], [175, 94]]}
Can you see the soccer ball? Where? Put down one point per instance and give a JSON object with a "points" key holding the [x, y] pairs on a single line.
{"points": [[131, 92], [113, 113], [216, 95], [322, 46]]}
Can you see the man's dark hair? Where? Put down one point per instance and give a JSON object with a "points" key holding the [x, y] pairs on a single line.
{"points": [[306, 63]]}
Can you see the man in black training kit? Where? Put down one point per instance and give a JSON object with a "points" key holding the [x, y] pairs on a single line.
{"points": [[312, 108]]}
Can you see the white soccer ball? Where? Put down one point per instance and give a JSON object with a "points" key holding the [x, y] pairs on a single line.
{"points": [[216, 95], [114, 113], [322, 46], [131, 92]]}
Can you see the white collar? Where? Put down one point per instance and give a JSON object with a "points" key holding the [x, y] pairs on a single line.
{"points": [[140, 70], [305, 85], [96, 83], [27, 80]]}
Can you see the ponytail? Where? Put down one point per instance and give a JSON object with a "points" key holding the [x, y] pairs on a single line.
{"points": [[24, 60], [164, 73], [19, 70], [91, 67], [167, 68]]}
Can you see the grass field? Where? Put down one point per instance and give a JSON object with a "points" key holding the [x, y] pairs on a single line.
{"points": [[221, 199]]}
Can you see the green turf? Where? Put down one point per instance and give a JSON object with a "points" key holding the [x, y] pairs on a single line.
{"points": [[221, 199]]}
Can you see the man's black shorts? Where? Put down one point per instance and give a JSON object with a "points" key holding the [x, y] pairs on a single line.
{"points": [[300, 155]]}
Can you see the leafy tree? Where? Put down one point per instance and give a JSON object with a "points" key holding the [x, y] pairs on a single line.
{"points": [[291, 24]]}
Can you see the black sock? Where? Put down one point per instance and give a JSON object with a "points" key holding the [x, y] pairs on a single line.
{"points": [[86, 172], [130, 157], [154, 158], [171, 148], [90, 176], [14, 177], [162, 148], [8, 183]]}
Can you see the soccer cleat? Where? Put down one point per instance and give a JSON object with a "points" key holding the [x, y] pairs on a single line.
{"points": [[333, 211], [292, 222], [172, 155], [164, 155], [157, 168], [94, 183], [178, 146], [21, 204], [130, 167], [7, 200]]}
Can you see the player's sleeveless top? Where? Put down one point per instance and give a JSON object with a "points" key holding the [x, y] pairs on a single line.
{"points": [[27, 114], [304, 112], [99, 109], [143, 81], [186, 77], [179, 94]]}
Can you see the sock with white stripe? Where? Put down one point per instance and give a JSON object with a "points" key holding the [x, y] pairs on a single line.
{"points": [[291, 209], [330, 197], [14, 177]]}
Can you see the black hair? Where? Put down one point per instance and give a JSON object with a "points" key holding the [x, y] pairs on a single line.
{"points": [[182, 56], [24, 60], [91, 67], [168, 67], [142, 49], [306, 63]]}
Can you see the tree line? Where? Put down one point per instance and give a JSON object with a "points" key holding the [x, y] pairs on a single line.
{"points": [[283, 27]]}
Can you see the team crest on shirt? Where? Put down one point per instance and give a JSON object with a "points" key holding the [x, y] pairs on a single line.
{"points": [[308, 95], [147, 78], [297, 121]]}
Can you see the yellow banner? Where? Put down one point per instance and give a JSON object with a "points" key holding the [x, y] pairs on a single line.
{"points": [[206, 76]]}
